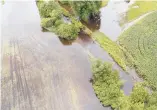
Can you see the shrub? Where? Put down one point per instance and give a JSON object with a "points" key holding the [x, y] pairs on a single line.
{"points": [[67, 31], [106, 84], [84, 9], [47, 22], [45, 8]]}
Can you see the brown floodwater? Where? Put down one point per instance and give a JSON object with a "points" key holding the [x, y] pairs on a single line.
{"points": [[38, 71], [41, 71]]}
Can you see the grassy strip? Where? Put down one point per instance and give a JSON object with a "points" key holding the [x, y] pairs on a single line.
{"points": [[107, 85], [139, 8], [140, 41], [111, 47]]}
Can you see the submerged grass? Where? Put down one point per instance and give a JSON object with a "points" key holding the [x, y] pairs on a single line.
{"points": [[139, 8], [111, 47], [140, 41]]}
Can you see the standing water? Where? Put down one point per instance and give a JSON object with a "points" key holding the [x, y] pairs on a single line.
{"points": [[38, 72], [111, 15]]}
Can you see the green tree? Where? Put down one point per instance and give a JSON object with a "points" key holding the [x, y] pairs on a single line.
{"points": [[84, 9]]}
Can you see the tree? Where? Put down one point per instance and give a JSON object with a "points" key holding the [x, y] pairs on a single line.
{"points": [[84, 9]]}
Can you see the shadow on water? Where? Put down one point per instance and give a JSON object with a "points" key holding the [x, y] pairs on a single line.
{"points": [[93, 23]]}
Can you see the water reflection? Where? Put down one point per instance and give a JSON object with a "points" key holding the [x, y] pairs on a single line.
{"points": [[38, 71], [93, 22]]}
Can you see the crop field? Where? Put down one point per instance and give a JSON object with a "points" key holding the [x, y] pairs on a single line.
{"points": [[111, 47], [139, 8], [140, 41]]}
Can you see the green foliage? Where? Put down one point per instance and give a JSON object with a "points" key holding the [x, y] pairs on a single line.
{"points": [[152, 102], [140, 41], [51, 18], [67, 31], [111, 47], [46, 8], [64, 2], [139, 94], [106, 83], [84, 9], [139, 8], [47, 22]]}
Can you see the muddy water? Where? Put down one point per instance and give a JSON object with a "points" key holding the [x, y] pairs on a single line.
{"points": [[38, 71], [111, 15], [108, 23], [98, 52]]}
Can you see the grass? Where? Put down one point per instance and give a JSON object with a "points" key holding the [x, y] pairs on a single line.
{"points": [[142, 8], [111, 47], [140, 41]]}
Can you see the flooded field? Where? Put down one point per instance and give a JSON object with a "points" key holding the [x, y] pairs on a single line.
{"points": [[41, 71]]}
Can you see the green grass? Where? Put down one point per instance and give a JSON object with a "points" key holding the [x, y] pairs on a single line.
{"points": [[143, 7], [111, 47], [140, 41]]}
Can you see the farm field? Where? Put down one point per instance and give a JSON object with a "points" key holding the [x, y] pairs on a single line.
{"points": [[140, 41], [139, 8]]}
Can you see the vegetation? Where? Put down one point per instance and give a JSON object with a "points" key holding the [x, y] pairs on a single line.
{"points": [[84, 9], [111, 47], [107, 85], [104, 3], [140, 41], [139, 8], [53, 19]]}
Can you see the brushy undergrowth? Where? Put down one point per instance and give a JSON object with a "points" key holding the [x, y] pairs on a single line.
{"points": [[111, 47], [140, 41], [106, 84], [139, 8]]}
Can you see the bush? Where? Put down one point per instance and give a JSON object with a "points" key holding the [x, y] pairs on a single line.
{"points": [[47, 22], [106, 84], [67, 31], [84, 9], [152, 102], [45, 8]]}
